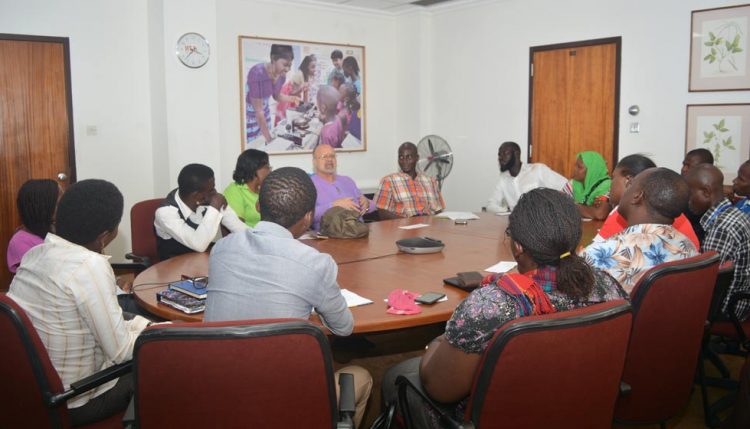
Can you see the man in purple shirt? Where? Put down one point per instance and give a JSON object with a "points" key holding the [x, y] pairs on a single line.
{"points": [[334, 189]]}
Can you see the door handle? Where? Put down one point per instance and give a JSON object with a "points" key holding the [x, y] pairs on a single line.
{"points": [[62, 176]]}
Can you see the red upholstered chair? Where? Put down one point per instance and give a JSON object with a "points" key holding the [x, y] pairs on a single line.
{"points": [[31, 393], [143, 237], [670, 305], [263, 373], [560, 370]]}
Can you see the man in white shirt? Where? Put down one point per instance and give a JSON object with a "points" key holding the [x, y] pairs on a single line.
{"points": [[189, 218], [68, 289], [517, 178]]}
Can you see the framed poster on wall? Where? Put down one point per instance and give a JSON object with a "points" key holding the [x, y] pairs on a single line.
{"points": [[298, 94], [719, 60], [723, 129]]}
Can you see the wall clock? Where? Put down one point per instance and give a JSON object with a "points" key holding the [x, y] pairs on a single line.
{"points": [[193, 50]]}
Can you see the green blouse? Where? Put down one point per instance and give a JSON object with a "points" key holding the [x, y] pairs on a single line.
{"points": [[243, 201]]}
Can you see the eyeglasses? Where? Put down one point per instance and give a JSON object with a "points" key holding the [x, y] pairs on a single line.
{"points": [[199, 282], [327, 156]]}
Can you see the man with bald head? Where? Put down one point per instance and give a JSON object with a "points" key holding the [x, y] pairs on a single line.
{"points": [[650, 204], [334, 190], [727, 229], [334, 126], [741, 188], [693, 158], [408, 193]]}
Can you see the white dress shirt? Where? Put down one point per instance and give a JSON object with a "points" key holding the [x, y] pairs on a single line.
{"points": [[169, 224], [531, 176], [70, 295]]}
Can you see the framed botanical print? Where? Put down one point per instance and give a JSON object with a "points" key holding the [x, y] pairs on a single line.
{"points": [[723, 129], [719, 60]]}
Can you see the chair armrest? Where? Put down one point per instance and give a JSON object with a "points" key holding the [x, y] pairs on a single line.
{"points": [[128, 420], [347, 405], [145, 260], [128, 266], [404, 384], [90, 382]]}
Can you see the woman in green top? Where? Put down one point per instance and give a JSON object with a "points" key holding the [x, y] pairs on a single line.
{"points": [[590, 185], [242, 195]]}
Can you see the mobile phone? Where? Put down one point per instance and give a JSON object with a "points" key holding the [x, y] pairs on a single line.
{"points": [[429, 298], [461, 221]]}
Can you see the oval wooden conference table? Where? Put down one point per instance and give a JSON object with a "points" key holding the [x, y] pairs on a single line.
{"points": [[373, 266]]}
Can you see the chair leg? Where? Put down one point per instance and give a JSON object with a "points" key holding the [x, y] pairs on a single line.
{"points": [[717, 362], [704, 390]]}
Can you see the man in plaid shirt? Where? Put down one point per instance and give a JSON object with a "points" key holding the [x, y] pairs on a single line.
{"points": [[408, 193], [727, 229]]}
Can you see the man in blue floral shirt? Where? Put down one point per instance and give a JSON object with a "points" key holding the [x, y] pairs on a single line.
{"points": [[650, 205], [727, 229]]}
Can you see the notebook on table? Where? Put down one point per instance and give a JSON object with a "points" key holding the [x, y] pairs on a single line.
{"points": [[180, 301], [193, 287]]}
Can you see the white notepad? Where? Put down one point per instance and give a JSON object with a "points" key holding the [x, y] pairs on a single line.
{"points": [[354, 300]]}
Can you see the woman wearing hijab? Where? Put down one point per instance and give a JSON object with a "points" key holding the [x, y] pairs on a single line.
{"points": [[590, 185]]}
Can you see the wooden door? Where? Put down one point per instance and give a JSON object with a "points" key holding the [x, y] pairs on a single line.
{"points": [[574, 98], [36, 123]]}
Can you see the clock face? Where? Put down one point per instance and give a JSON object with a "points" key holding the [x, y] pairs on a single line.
{"points": [[193, 50]]}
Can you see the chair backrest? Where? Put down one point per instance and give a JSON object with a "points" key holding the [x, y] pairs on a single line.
{"points": [[723, 281], [264, 373], [28, 377], [670, 306], [560, 370], [143, 236]]}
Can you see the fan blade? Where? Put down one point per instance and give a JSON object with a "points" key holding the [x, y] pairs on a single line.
{"points": [[440, 172], [427, 167], [432, 149]]}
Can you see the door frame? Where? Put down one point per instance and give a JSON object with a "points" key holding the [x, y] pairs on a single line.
{"points": [[618, 63], [65, 41]]}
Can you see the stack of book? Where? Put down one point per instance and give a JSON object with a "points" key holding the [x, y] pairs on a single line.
{"points": [[188, 296]]}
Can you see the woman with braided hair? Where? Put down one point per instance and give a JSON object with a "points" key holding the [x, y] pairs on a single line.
{"points": [[36, 201], [544, 230]]}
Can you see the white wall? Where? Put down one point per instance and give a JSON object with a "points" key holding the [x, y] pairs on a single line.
{"points": [[110, 87], [480, 81], [459, 71]]}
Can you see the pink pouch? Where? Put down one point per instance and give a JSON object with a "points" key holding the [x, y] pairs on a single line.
{"points": [[402, 302]]}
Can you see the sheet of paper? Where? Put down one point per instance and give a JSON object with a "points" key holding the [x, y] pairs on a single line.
{"points": [[354, 300], [502, 213], [501, 267], [458, 215], [415, 226]]}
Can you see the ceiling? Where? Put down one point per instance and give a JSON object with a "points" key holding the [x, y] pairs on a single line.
{"points": [[392, 6]]}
